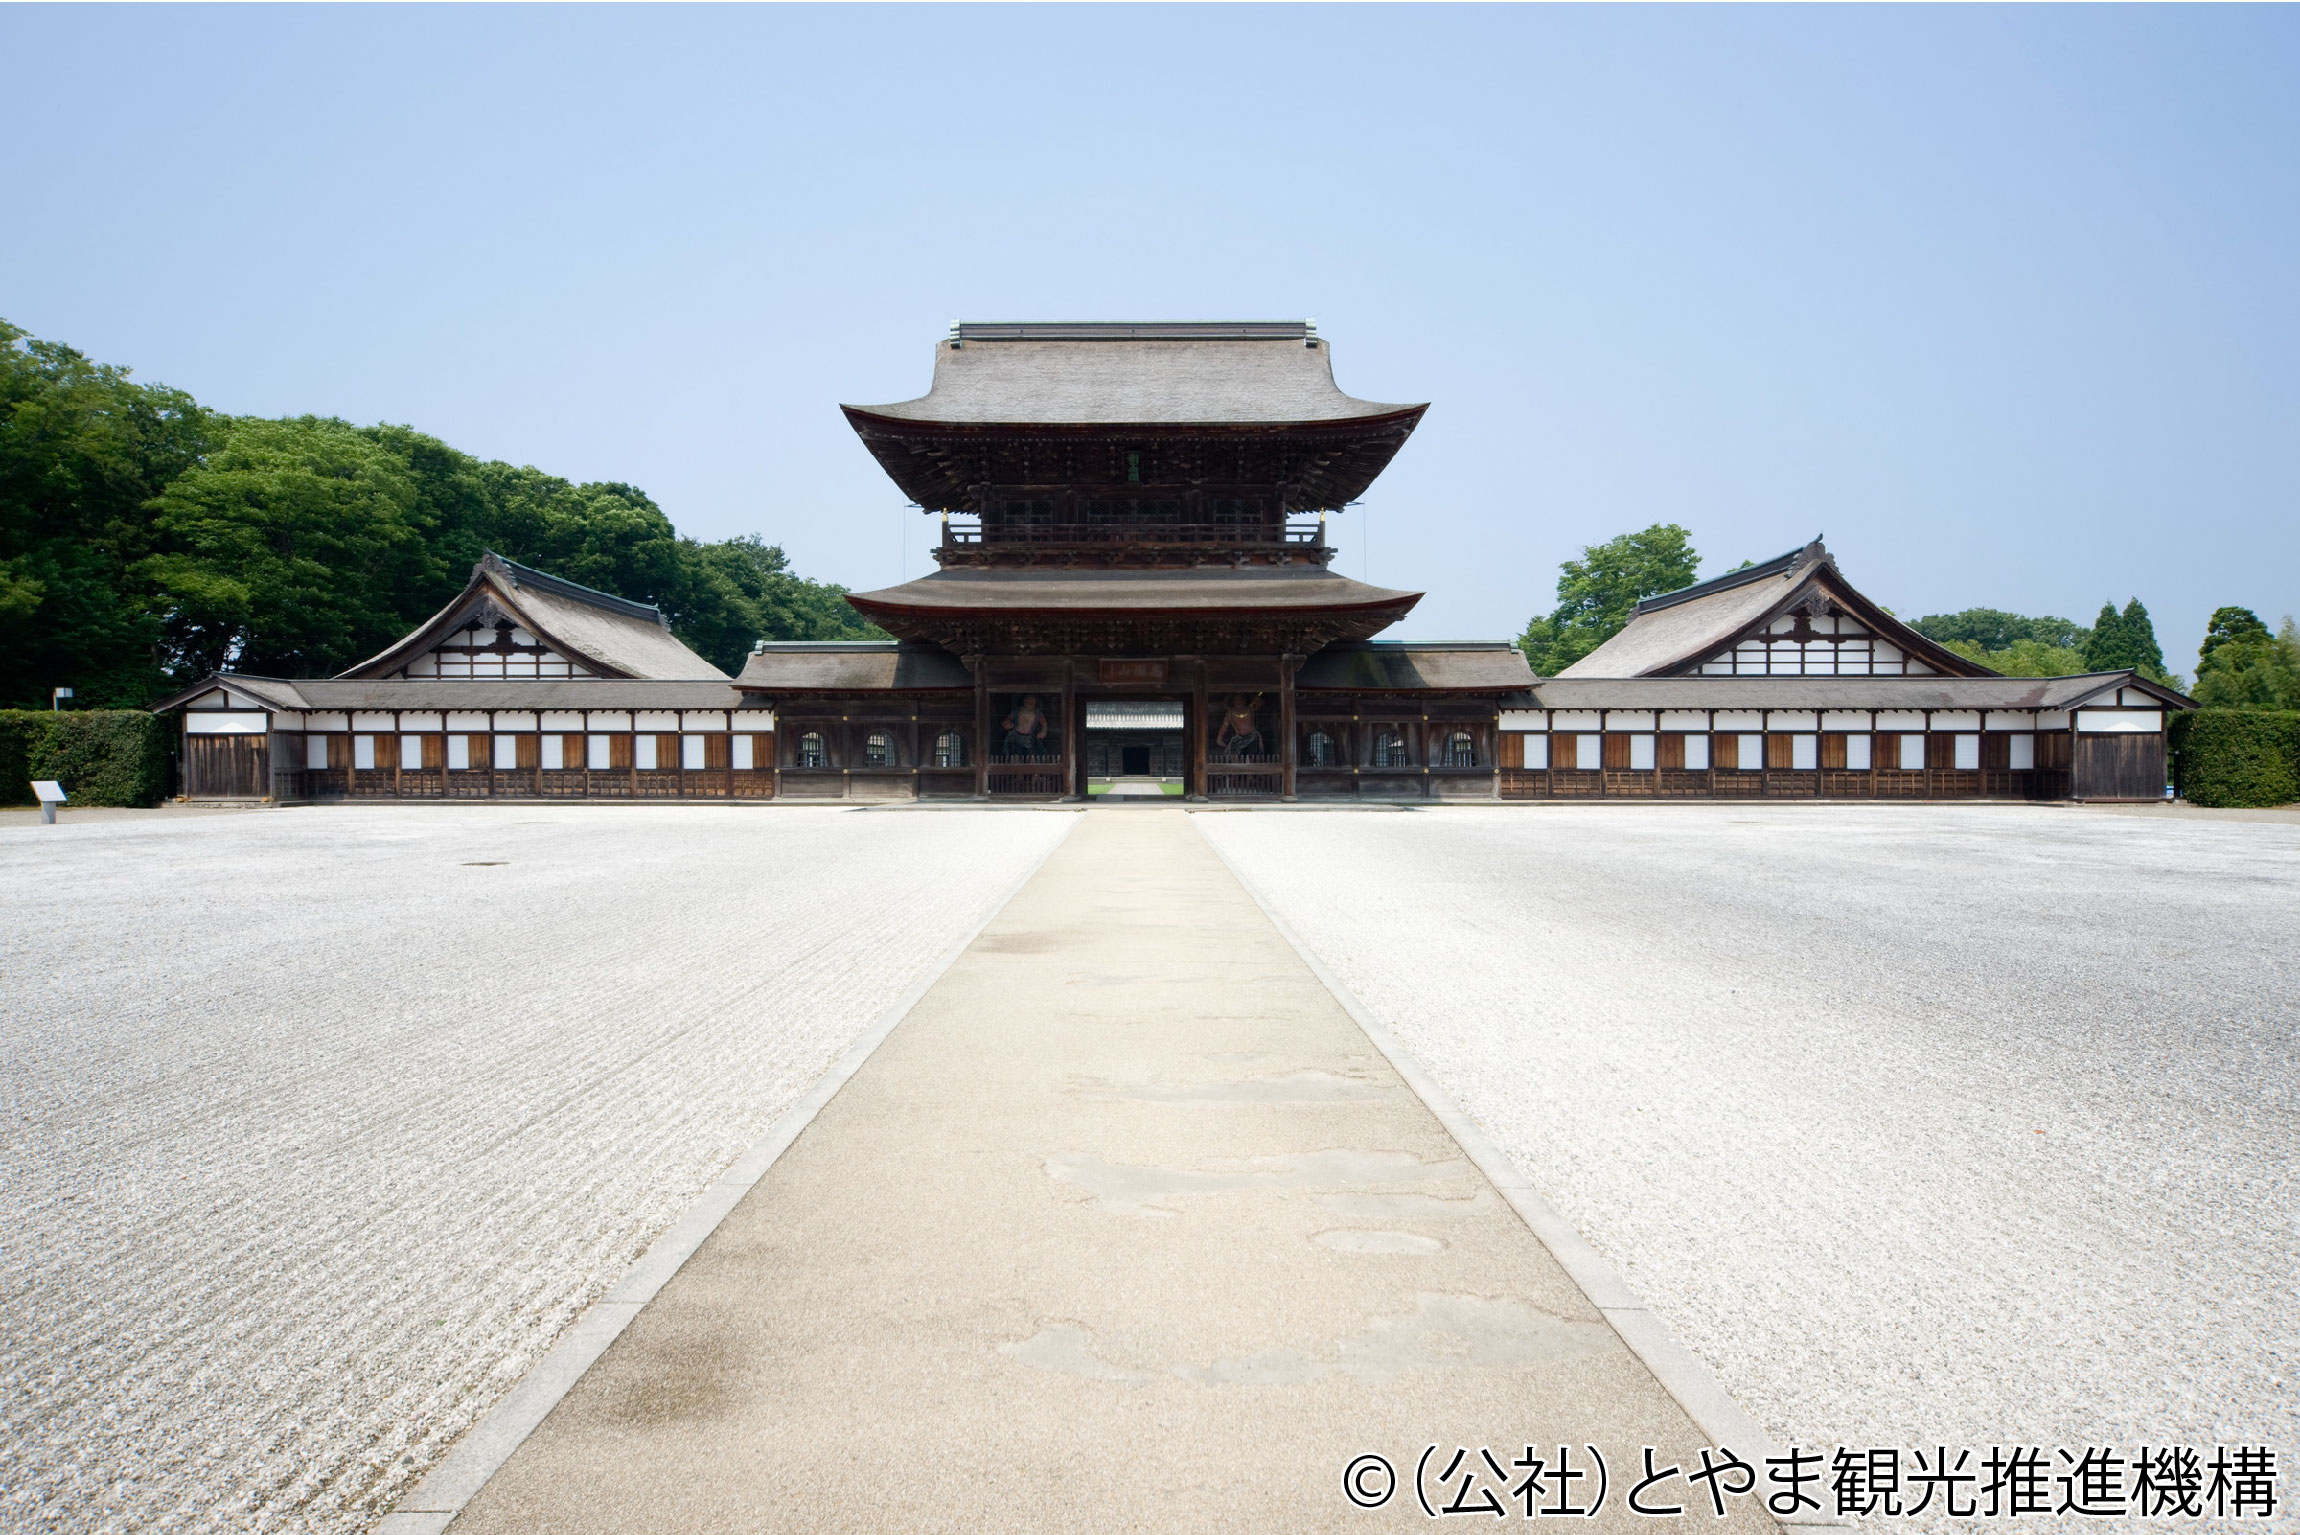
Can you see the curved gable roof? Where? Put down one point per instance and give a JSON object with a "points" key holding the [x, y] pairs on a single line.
{"points": [[611, 635], [1675, 632]]}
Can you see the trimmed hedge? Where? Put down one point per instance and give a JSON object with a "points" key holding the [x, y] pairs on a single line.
{"points": [[100, 756], [2236, 756]]}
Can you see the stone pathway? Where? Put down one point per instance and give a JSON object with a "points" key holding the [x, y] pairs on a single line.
{"points": [[1127, 1226]]}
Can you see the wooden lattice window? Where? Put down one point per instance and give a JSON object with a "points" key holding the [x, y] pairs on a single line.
{"points": [[878, 749], [1321, 751], [950, 750], [811, 753], [1390, 750], [1460, 750]]}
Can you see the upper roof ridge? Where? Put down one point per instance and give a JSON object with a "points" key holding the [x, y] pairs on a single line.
{"points": [[962, 331], [1781, 564], [542, 580]]}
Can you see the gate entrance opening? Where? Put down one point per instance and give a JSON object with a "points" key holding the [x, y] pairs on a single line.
{"points": [[1135, 746]]}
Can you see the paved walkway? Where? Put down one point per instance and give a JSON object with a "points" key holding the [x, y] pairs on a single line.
{"points": [[1126, 1227]]}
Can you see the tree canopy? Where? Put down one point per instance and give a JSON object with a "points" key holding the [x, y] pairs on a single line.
{"points": [[2242, 666], [145, 541], [1597, 593], [2125, 640], [1993, 629]]}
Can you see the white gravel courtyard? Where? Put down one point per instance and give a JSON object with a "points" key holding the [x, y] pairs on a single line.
{"points": [[320, 1124], [1921, 1124]]}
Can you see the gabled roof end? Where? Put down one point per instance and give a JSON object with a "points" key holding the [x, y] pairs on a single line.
{"points": [[518, 575], [1790, 564]]}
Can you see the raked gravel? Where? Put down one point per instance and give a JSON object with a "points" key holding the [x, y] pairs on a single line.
{"points": [[318, 1125], [1920, 1124]]}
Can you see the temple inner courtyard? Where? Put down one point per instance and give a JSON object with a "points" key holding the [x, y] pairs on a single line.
{"points": [[1917, 1124]]}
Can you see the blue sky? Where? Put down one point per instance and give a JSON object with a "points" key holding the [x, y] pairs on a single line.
{"points": [[2001, 300]]}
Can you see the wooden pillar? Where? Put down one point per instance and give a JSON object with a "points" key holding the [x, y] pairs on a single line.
{"points": [[1072, 788], [1286, 667], [980, 666], [1196, 787]]}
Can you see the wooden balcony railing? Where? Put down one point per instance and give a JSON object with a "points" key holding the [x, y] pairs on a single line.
{"points": [[1303, 533]]}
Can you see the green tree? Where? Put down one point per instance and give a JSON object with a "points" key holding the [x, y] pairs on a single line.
{"points": [[744, 592], [1597, 594], [2227, 624], [2022, 657], [2140, 636], [1992, 629], [297, 550], [144, 541], [83, 449], [2105, 650], [2243, 666], [2126, 640]]}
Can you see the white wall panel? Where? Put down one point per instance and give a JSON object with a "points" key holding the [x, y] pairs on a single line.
{"points": [[473, 720], [2119, 721], [379, 720], [610, 719], [563, 719], [2008, 719], [1629, 719], [754, 719], [1900, 719], [1573, 719], [1697, 753], [1857, 752], [703, 719], [1792, 719], [327, 719], [219, 722], [2052, 719], [2022, 751], [1525, 719], [421, 719], [1684, 719], [1740, 719]]}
